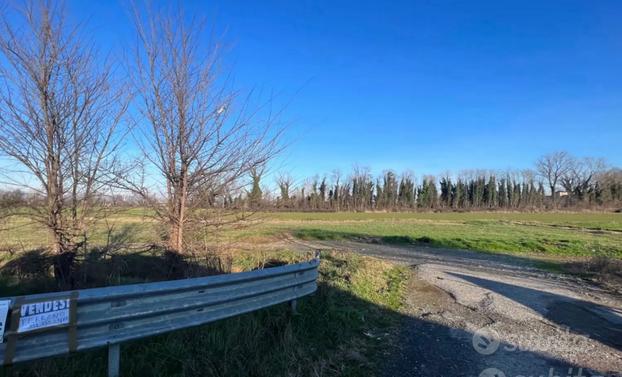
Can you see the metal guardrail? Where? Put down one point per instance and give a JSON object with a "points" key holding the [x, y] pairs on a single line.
{"points": [[52, 324]]}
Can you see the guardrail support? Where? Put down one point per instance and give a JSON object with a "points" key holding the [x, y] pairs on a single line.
{"points": [[114, 359], [293, 304]]}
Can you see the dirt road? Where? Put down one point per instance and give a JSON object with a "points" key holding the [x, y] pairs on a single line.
{"points": [[476, 314]]}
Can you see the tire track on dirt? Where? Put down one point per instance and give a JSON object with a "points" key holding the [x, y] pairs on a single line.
{"points": [[461, 303]]}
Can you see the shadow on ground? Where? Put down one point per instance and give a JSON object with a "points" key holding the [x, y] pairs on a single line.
{"points": [[598, 322], [31, 271], [336, 333], [421, 249], [429, 349], [337, 342], [601, 270]]}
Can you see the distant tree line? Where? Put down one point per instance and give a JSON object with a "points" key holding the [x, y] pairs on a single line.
{"points": [[558, 181]]}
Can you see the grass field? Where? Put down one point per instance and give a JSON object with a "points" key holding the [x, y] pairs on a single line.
{"points": [[548, 234], [554, 234], [343, 329]]}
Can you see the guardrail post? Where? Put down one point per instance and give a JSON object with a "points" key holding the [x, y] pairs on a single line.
{"points": [[293, 305], [114, 359]]}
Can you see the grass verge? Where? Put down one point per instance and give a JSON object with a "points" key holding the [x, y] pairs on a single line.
{"points": [[341, 330]]}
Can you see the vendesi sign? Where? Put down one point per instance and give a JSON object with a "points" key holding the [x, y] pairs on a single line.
{"points": [[39, 315], [4, 311]]}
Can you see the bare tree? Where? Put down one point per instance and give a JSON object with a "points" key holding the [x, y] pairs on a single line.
{"points": [[552, 167], [609, 183], [578, 178], [256, 194], [192, 133], [59, 114], [285, 182], [337, 198]]}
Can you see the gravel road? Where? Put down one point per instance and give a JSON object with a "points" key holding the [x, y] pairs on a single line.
{"points": [[477, 314]]}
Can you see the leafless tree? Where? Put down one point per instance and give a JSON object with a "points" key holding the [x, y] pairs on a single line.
{"points": [[197, 134], [285, 182], [577, 179], [610, 183], [337, 188], [552, 167], [256, 194], [59, 114]]}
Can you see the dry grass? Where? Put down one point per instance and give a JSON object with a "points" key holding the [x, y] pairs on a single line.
{"points": [[356, 296]]}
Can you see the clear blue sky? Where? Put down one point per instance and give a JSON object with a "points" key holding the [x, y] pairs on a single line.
{"points": [[422, 85]]}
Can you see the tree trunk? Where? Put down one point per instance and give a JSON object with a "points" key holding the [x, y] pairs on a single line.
{"points": [[176, 239], [553, 197], [175, 243], [63, 265], [55, 242]]}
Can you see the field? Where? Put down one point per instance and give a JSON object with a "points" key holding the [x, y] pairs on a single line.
{"points": [[559, 234], [344, 329], [538, 234]]}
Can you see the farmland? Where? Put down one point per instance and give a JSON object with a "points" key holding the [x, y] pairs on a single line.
{"points": [[563, 234], [553, 234]]}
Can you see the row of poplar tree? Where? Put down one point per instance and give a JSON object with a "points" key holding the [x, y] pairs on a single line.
{"points": [[391, 192], [361, 192]]}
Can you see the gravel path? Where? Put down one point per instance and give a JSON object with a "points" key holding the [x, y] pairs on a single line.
{"points": [[477, 314]]}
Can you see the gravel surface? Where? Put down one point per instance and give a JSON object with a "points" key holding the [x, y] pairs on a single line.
{"points": [[477, 314]]}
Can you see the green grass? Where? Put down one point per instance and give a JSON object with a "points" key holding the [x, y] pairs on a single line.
{"points": [[591, 220], [549, 234], [340, 331]]}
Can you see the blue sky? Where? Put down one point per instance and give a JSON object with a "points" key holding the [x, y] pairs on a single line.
{"points": [[423, 85]]}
